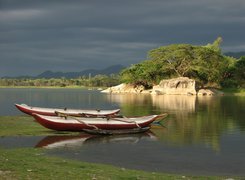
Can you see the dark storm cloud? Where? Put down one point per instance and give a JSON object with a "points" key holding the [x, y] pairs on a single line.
{"points": [[74, 35]]}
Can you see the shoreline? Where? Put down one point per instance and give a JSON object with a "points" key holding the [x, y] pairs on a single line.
{"points": [[36, 163], [226, 91], [30, 163]]}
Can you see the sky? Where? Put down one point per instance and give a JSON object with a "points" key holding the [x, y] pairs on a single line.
{"points": [[74, 35]]}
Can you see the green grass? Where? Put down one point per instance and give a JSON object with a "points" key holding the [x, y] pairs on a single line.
{"points": [[29, 163], [33, 163], [46, 87], [25, 125]]}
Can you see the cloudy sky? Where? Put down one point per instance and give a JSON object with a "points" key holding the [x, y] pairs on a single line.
{"points": [[73, 35]]}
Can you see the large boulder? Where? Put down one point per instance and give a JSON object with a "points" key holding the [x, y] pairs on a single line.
{"points": [[125, 88], [176, 86]]}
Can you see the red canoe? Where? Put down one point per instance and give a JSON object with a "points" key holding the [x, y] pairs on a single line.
{"points": [[79, 123], [73, 112]]}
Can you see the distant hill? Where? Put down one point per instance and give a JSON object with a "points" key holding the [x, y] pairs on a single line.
{"points": [[115, 69], [235, 54]]}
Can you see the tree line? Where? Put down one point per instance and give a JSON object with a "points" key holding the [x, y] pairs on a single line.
{"points": [[206, 64], [96, 81]]}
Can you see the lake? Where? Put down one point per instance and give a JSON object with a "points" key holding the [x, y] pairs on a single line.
{"points": [[200, 136]]}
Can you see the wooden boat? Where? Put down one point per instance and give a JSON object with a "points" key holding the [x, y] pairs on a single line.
{"points": [[72, 112], [71, 123]]}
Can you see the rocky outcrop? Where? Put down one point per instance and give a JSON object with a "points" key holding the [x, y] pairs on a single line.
{"points": [[176, 86], [125, 88]]}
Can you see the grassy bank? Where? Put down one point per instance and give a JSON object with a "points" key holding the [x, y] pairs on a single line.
{"points": [[47, 87], [34, 163], [24, 126]]}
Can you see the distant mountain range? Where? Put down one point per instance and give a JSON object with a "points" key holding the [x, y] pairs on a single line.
{"points": [[115, 69]]}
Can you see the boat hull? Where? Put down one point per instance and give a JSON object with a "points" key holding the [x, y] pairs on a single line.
{"points": [[79, 124], [72, 112]]}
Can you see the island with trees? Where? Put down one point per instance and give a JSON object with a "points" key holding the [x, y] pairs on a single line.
{"points": [[206, 65]]}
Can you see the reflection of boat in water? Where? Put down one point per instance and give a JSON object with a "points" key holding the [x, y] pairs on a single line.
{"points": [[116, 131], [52, 142], [121, 138]]}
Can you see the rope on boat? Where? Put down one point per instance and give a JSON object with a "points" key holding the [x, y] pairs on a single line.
{"points": [[130, 121], [127, 121], [73, 117], [109, 117], [79, 120], [61, 114]]}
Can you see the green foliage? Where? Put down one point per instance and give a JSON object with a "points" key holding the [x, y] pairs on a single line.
{"points": [[234, 76], [146, 73], [205, 64], [215, 46], [175, 59], [226, 83], [96, 81], [240, 71]]}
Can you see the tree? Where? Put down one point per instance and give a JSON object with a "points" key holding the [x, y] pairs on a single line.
{"points": [[240, 71], [215, 46], [203, 63], [175, 59], [198, 62]]}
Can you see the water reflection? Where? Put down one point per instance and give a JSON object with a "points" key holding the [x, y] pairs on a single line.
{"points": [[175, 103], [132, 104], [192, 119], [145, 152], [131, 99], [71, 142]]}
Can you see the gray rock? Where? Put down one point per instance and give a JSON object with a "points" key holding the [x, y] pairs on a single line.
{"points": [[176, 86]]}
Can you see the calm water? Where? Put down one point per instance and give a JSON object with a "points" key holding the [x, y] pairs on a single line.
{"points": [[201, 135]]}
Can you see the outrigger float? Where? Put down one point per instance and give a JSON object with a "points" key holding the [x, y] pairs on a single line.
{"points": [[103, 122], [72, 112]]}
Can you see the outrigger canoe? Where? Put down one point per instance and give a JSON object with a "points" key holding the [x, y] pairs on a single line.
{"points": [[72, 112], [71, 123]]}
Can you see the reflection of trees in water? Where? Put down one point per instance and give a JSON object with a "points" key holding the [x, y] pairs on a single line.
{"points": [[212, 118], [133, 104], [234, 110], [191, 119]]}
